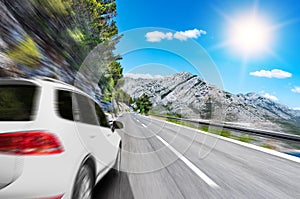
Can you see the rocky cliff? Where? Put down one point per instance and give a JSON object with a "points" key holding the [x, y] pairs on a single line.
{"points": [[192, 97]]}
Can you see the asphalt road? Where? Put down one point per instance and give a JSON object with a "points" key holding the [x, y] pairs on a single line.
{"points": [[162, 160]]}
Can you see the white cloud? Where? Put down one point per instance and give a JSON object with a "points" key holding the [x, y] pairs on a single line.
{"points": [[157, 36], [275, 73], [296, 89], [296, 108], [142, 76], [184, 35], [271, 97], [169, 35]]}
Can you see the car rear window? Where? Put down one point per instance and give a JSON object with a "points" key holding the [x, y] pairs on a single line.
{"points": [[16, 102]]}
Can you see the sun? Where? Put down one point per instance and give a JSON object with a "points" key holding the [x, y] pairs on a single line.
{"points": [[249, 35]]}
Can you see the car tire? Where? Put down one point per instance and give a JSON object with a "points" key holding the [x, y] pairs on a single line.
{"points": [[84, 183]]}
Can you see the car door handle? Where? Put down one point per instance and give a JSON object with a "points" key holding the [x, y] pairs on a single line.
{"points": [[92, 136]]}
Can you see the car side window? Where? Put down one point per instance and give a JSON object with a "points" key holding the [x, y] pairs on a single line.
{"points": [[87, 112], [101, 116], [64, 103]]}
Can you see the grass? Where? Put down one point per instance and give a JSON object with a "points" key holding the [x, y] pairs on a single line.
{"points": [[223, 132], [217, 131], [176, 115], [204, 128], [180, 123], [245, 138], [268, 146]]}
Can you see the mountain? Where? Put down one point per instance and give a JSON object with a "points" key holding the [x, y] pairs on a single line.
{"points": [[192, 97]]}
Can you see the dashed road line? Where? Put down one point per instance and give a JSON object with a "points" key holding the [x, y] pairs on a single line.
{"points": [[196, 170]]}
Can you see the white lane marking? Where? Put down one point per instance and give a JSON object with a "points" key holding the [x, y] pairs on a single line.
{"points": [[141, 123], [196, 170], [202, 175], [251, 146]]}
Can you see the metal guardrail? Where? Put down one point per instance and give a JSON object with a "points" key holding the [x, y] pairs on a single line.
{"points": [[258, 132]]}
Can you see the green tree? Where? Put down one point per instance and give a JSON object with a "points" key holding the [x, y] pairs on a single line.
{"points": [[143, 104], [116, 71], [108, 81]]}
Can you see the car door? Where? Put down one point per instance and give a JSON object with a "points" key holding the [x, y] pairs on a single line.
{"points": [[96, 138], [113, 138]]}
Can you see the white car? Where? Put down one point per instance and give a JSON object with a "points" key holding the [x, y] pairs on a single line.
{"points": [[55, 141]]}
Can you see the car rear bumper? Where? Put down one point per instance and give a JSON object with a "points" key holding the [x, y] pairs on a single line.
{"points": [[43, 177]]}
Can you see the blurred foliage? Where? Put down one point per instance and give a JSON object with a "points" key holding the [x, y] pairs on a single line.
{"points": [[109, 79], [77, 35], [25, 52], [57, 24], [65, 31], [143, 104], [53, 7], [122, 96], [106, 83]]}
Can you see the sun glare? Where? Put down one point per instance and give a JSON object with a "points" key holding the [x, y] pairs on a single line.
{"points": [[250, 35]]}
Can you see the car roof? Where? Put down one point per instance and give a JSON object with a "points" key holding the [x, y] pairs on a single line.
{"points": [[41, 81]]}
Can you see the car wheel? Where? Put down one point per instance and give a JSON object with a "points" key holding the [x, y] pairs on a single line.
{"points": [[117, 165], [84, 183]]}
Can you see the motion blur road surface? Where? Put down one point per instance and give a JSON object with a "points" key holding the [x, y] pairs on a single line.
{"points": [[163, 160]]}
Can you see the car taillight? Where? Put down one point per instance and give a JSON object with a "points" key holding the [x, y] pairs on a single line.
{"points": [[30, 143], [54, 197]]}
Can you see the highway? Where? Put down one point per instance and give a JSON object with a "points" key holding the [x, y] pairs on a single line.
{"points": [[163, 160]]}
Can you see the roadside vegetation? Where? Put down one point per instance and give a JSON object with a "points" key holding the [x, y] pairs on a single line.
{"points": [[268, 146], [214, 130], [25, 52], [143, 104], [180, 123], [63, 32]]}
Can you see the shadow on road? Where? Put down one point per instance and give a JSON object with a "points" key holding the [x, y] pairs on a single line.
{"points": [[114, 186]]}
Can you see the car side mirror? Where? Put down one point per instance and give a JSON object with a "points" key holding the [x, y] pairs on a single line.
{"points": [[116, 125]]}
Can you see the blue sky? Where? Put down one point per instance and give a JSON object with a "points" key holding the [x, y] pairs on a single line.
{"points": [[240, 46]]}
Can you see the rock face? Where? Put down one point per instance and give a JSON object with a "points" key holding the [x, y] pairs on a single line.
{"points": [[192, 97]]}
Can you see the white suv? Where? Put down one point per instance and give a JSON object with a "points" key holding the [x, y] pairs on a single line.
{"points": [[55, 141]]}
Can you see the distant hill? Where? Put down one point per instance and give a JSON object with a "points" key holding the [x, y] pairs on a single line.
{"points": [[192, 97]]}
